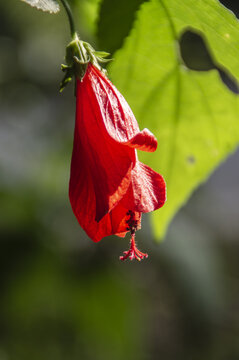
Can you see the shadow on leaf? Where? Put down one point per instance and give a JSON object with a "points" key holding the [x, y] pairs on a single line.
{"points": [[196, 56]]}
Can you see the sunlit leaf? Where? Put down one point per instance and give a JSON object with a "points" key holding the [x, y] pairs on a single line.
{"points": [[193, 113], [51, 6]]}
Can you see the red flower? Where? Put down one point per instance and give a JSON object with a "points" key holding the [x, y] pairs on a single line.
{"points": [[109, 187]]}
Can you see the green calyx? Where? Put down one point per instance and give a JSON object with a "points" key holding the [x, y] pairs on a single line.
{"points": [[78, 55]]}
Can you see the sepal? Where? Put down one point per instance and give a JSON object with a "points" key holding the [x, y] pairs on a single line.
{"points": [[78, 55], [69, 73], [101, 54]]}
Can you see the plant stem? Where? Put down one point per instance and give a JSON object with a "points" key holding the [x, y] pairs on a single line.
{"points": [[70, 18]]}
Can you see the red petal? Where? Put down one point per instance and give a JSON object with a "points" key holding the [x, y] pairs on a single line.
{"points": [[119, 119], [109, 162], [84, 207], [144, 141], [147, 191], [117, 116]]}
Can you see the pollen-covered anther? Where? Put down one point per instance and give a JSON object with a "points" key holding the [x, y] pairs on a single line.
{"points": [[133, 252]]}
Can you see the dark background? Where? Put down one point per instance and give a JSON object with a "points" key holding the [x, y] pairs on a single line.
{"points": [[61, 295]]}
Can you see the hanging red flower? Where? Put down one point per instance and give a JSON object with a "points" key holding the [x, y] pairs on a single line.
{"points": [[109, 186]]}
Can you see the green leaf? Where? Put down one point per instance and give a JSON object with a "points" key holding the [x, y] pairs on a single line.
{"points": [[193, 113], [51, 6], [115, 21]]}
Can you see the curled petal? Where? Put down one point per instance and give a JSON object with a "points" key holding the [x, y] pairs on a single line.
{"points": [[147, 191], [144, 141]]}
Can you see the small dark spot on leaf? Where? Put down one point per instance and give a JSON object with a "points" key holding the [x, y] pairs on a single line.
{"points": [[195, 54], [191, 159]]}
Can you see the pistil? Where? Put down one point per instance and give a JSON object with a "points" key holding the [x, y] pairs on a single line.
{"points": [[133, 252]]}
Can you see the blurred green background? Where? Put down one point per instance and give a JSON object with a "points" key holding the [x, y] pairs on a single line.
{"points": [[64, 297]]}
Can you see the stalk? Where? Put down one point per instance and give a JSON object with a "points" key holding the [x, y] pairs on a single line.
{"points": [[70, 18]]}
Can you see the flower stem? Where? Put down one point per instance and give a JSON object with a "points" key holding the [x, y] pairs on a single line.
{"points": [[70, 18]]}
